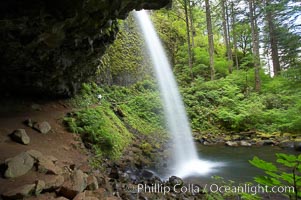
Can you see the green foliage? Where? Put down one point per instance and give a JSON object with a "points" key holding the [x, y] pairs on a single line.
{"points": [[87, 95], [141, 106], [100, 128], [287, 174], [104, 124], [230, 104]]}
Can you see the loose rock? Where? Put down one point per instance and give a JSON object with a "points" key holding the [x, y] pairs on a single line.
{"points": [[18, 165], [173, 180], [231, 144], [92, 183], [28, 122], [286, 144], [42, 127], [20, 136], [20, 192], [40, 185], [46, 164], [75, 185], [53, 182], [245, 144]]}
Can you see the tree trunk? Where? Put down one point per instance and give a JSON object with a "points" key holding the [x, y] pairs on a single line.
{"points": [[210, 39], [273, 40], [233, 16], [226, 35], [255, 49], [188, 37], [192, 29]]}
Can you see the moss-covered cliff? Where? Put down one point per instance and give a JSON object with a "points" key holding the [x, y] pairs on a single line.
{"points": [[53, 46]]}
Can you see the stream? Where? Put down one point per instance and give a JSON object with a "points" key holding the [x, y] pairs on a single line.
{"points": [[235, 162]]}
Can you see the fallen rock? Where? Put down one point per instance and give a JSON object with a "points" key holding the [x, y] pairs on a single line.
{"points": [[34, 154], [53, 182], [75, 185], [46, 164], [92, 183], [20, 192], [20, 136], [43, 127], [231, 143], [174, 180], [268, 142], [286, 144], [40, 185], [146, 174], [28, 122], [18, 165], [245, 144]]}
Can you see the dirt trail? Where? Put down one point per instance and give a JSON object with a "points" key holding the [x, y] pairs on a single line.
{"points": [[58, 142]]}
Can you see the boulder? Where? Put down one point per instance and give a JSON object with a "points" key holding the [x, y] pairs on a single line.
{"points": [[231, 143], [18, 165], [28, 122], [75, 185], [245, 144], [53, 182], [40, 185], [286, 144], [20, 136], [46, 164], [92, 183], [174, 180], [43, 127], [268, 142], [34, 154], [146, 174], [20, 192]]}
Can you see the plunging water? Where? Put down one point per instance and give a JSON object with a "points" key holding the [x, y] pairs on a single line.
{"points": [[185, 160]]}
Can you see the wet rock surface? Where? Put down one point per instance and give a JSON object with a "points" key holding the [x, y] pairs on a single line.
{"points": [[57, 43]]}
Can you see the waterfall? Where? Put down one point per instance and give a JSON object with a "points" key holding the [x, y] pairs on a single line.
{"points": [[185, 159]]}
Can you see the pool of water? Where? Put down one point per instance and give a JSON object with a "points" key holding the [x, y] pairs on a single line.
{"points": [[235, 165]]}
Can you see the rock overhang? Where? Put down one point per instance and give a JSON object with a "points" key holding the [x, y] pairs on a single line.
{"points": [[51, 47]]}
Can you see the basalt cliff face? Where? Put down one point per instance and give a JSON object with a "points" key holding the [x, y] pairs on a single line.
{"points": [[52, 46]]}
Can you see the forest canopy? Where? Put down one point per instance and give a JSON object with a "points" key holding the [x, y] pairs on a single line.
{"points": [[237, 62]]}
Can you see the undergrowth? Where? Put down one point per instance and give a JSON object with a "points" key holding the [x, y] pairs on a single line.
{"points": [[107, 124]]}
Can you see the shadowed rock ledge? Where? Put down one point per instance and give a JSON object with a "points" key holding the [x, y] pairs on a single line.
{"points": [[51, 47]]}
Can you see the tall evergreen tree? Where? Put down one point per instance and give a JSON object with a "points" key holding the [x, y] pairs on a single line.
{"points": [[255, 43], [210, 39]]}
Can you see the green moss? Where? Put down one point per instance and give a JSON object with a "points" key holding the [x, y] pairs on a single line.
{"points": [[102, 129]]}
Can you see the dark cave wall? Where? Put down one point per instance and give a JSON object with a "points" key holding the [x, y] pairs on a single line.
{"points": [[52, 46]]}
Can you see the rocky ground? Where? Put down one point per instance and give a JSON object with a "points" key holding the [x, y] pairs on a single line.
{"points": [[41, 160]]}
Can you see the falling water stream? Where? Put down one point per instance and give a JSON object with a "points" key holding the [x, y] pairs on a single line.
{"points": [[185, 161]]}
